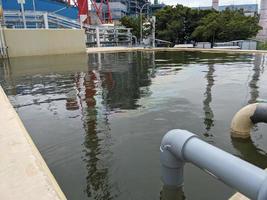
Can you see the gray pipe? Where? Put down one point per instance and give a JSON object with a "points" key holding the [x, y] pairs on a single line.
{"points": [[180, 146], [260, 114]]}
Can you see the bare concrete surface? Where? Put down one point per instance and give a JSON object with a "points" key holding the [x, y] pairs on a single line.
{"points": [[130, 49], [238, 196], [39, 42], [24, 174]]}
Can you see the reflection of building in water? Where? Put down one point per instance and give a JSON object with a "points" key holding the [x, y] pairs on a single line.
{"points": [[96, 143], [71, 98], [5, 72], [118, 85], [209, 116], [250, 152], [124, 81]]}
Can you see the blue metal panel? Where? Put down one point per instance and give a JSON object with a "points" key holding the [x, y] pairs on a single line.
{"points": [[43, 5]]}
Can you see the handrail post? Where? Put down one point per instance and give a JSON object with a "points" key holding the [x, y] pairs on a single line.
{"points": [[46, 21]]}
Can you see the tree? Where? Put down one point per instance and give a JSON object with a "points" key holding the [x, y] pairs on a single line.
{"points": [[226, 26], [176, 23], [179, 24], [133, 23]]}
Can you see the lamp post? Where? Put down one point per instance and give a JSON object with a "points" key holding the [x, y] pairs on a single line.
{"points": [[141, 25]]}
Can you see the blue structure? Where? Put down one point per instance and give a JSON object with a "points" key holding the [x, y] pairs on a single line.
{"points": [[44, 5]]}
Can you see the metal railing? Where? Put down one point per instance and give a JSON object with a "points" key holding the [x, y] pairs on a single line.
{"points": [[38, 19], [104, 35], [99, 36]]}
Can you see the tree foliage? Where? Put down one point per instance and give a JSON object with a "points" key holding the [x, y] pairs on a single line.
{"points": [[226, 26], [176, 23], [179, 24], [132, 22]]}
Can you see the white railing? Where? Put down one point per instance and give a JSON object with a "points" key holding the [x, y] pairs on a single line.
{"points": [[38, 19]]}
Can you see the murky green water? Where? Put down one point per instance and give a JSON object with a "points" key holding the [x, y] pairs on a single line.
{"points": [[98, 120]]}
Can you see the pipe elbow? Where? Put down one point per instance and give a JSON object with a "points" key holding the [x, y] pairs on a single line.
{"points": [[174, 142], [246, 117], [171, 156]]}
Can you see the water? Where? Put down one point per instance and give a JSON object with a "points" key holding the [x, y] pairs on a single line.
{"points": [[98, 119]]}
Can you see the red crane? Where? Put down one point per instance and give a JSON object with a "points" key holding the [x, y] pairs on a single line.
{"points": [[85, 14]]}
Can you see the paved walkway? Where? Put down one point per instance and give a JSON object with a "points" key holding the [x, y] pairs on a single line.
{"points": [[129, 49], [24, 174]]}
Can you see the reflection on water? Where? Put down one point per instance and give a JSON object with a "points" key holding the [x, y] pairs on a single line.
{"points": [[250, 152], [98, 119], [172, 193], [208, 120], [96, 143], [258, 66]]}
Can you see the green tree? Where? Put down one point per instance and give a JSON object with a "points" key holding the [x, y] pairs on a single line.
{"points": [[176, 23], [179, 24], [226, 26], [132, 22]]}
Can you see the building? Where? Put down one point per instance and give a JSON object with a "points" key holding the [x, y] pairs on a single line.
{"points": [[121, 8], [249, 9], [54, 6], [262, 35], [215, 4]]}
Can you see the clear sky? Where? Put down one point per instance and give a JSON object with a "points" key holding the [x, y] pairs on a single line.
{"points": [[197, 3]]}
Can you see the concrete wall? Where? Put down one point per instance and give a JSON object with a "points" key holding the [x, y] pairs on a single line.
{"points": [[32, 42], [24, 174]]}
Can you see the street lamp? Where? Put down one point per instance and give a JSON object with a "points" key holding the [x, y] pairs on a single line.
{"points": [[141, 25]]}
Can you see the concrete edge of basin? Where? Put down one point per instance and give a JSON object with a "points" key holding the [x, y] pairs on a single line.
{"points": [[130, 49], [238, 196], [23, 172]]}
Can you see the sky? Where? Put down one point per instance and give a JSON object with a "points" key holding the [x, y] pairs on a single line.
{"points": [[197, 3]]}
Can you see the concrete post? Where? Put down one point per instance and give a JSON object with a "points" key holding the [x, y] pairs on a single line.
{"points": [[153, 31], [46, 21], [3, 43], [97, 37], [130, 37], [141, 29], [262, 34], [180, 146]]}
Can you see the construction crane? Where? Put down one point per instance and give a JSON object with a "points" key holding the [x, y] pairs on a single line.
{"points": [[85, 10]]}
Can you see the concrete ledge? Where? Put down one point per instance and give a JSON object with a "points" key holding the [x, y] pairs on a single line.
{"points": [[131, 49], [33, 42], [24, 174], [239, 196]]}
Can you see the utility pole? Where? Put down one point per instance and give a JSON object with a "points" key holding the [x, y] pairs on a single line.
{"points": [[141, 23], [153, 30]]}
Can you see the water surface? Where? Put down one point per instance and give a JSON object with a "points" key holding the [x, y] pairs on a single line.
{"points": [[98, 119]]}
